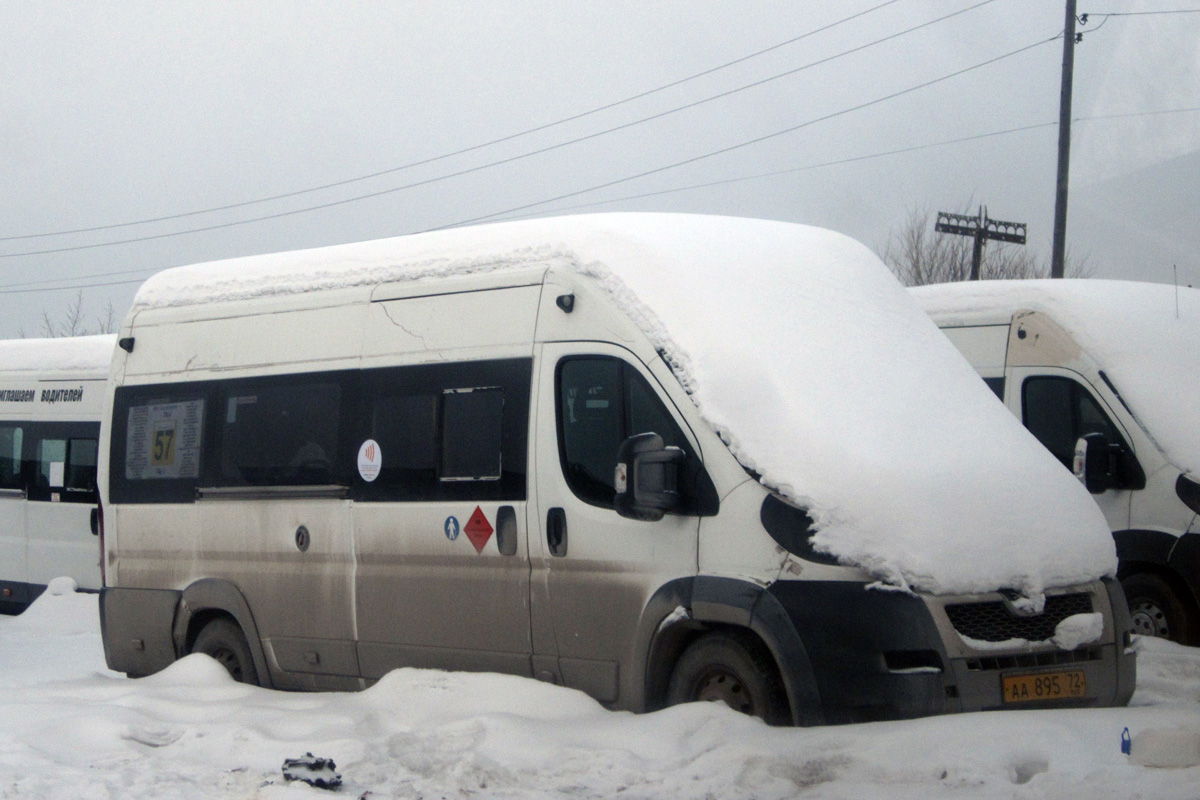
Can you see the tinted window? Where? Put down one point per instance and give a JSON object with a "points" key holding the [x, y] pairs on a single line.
{"points": [[591, 418], [81, 465], [157, 440], [1047, 408], [601, 402], [472, 420], [11, 437], [448, 431], [51, 461], [1059, 410], [996, 385], [282, 433], [406, 429], [441, 431]]}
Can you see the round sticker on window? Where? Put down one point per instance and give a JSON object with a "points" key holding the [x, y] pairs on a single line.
{"points": [[369, 460]]}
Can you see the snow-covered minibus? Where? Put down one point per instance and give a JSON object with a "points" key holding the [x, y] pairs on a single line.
{"points": [[657, 458], [1106, 374], [51, 393]]}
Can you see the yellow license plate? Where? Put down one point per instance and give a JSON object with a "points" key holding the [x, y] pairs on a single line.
{"points": [[1036, 686]]}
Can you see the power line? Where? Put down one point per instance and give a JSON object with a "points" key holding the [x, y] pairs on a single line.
{"points": [[560, 197], [60, 280], [868, 157], [465, 150], [807, 167], [757, 140], [1083, 18], [709, 184], [12, 288], [853, 159], [146, 274], [1143, 13], [500, 162]]}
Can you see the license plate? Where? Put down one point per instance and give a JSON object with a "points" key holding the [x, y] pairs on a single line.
{"points": [[1031, 687]]}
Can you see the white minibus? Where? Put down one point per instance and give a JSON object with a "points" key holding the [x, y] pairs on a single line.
{"points": [[656, 458], [1106, 374], [51, 392]]}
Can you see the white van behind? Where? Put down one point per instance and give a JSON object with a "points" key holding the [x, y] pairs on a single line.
{"points": [[657, 458], [51, 393], [1116, 363]]}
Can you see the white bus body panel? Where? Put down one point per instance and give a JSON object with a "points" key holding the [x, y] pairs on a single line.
{"points": [[49, 419]]}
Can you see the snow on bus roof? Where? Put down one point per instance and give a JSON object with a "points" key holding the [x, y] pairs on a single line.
{"points": [[1145, 336], [67, 354], [808, 358]]}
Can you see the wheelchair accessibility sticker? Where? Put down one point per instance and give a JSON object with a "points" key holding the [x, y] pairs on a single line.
{"points": [[452, 528]]}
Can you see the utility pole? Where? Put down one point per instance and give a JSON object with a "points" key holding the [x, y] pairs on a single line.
{"points": [[1059, 247], [980, 229]]}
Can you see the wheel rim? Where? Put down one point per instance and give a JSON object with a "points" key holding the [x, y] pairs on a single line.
{"points": [[725, 686], [1149, 619], [229, 660]]}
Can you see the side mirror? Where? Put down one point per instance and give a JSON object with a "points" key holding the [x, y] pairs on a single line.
{"points": [[647, 478], [1095, 463]]}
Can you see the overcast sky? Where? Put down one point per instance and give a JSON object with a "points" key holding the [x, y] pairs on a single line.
{"points": [[119, 112]]}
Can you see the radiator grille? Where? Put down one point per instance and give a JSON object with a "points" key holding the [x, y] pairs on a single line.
{"points": [[993, 621]]}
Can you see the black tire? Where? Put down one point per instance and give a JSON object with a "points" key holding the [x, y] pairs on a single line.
{"points": [[733, 668], [1157, 609], [223, 640]]}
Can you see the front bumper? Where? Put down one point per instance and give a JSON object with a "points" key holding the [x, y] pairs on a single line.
{"points": [[879, 655], [977, 666]]}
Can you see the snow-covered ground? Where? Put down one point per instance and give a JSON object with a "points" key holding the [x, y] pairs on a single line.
{"points": [[69, 728]]}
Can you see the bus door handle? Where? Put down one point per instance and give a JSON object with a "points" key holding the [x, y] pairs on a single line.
{"points": [[556, 531]]}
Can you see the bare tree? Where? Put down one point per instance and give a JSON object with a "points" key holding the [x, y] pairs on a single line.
{"points": [[72, 321], [920, 256]]}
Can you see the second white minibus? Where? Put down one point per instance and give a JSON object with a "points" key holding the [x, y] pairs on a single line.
{"points": [[51, 393]]}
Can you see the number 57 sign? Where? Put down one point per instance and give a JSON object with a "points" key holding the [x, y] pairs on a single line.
{"points": [[163, 450]]}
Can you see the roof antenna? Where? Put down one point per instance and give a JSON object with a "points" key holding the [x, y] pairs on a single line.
{"points": [[1175, 268]]}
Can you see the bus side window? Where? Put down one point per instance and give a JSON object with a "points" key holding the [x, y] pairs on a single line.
{"points": [[51, 463], [10, 457], [601, 402], [81, 465], [1059, 410], [281, 432]]}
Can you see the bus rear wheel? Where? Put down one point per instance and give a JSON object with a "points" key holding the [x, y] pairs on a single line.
{"points": [[224, 641]]}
